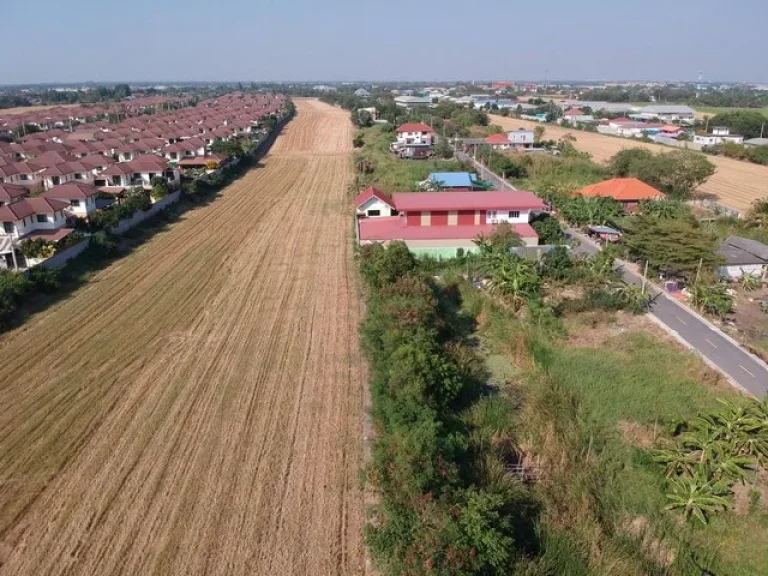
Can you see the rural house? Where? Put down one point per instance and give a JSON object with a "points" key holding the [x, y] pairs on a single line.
{"points": [[627, 191], [742, 256], [719, 135], [10, 193], [521, 138], [439, 223], [498, 142], [372, 202], [414, 141]]}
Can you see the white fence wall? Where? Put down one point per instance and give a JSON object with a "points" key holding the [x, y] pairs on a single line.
{"points": [[139, 217], [58, 261]]}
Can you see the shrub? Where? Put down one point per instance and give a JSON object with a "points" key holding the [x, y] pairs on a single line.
{"points": [[13, 286], [101, 247], [44, 279]]}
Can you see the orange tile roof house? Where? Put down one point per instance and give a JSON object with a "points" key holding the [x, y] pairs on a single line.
{"points": [[627, 191]]}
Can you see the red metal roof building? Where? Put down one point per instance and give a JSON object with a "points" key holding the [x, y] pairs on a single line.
{"points": [[627, 191], [441, 222]]}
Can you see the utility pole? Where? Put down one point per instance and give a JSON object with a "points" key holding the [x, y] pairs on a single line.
{"points": [[761, 129], [645, 278]]}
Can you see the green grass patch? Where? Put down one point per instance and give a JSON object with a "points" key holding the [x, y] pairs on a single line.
{"points": [[592, 414], [390, 173], [714, 110]]}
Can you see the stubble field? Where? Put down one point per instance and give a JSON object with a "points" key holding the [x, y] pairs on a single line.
{"points": [[735, 184], [196, 407]]}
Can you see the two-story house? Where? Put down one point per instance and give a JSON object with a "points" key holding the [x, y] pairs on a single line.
{"points": [[414, 140], [80, 197], [439, 223], [521, 138], [719, 135]]}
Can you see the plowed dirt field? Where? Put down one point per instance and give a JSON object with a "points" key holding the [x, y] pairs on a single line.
{"points": [[735, 183], [196, 407]]}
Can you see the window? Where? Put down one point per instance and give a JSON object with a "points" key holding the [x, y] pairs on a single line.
{"points": [[514, 214], [42, 218], [75, 203], [491, 215], [78, 176], [24, 176], [9, 227], [374, 212]]}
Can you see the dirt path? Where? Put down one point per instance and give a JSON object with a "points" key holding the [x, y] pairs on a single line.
{"points": [[196, 408], [735, 184]]}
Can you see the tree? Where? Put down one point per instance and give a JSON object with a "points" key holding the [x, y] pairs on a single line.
{"points": [[159, 187], [674, 245], [442, 149], [538, 133], [678, 172], [502, 239], [229, 149], [382, 266], [548, 228], [512, 277], [747, 123], [668, 208], [556, 264]]}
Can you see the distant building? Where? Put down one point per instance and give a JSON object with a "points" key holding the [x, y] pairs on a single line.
{"points": [[362, 93], [414, 141], [752, 142], [411, 102], [521, 138], [668, 113], [719, 135]]}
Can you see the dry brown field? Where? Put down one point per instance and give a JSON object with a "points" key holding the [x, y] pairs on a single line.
{"points": [[195, 408], [25, 109], [735, 184]]}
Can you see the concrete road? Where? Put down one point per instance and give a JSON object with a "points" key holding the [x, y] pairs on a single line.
{"points": [[744, 370], [721, 352]]}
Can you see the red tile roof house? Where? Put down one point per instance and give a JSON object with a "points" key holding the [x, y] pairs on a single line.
{"points": [[139, 172], [10, 193], [80, 197], [31, 218], [414, 140], [498, 142], [66, 172], [372, 203], [627, 191], [438, 223]]}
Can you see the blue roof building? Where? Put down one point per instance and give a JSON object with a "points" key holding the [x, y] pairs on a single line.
{"points": [[455, 180]]}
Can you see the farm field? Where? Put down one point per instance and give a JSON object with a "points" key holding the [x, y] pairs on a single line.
{"points": [[196, 408], [735, 184], [25, 109]]}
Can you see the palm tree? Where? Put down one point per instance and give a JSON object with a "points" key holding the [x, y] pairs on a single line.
{"points": [[697, 497]]}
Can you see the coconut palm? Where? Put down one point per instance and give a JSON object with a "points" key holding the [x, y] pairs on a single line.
{"points": [[697, 497]]}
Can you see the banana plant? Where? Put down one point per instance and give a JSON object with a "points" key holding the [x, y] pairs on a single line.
{"points": [[697, 497]]}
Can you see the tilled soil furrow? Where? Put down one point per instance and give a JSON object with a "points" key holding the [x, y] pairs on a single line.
{"points": [[199, 407]]}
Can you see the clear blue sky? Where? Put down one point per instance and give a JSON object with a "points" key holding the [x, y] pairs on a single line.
{"points": [[133, 40]]}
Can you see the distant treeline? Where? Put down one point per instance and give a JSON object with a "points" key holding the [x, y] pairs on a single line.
{"points": [[732, 98]]}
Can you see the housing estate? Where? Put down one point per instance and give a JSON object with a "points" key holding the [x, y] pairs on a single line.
{"points": [[627, 191], [439, 223]]}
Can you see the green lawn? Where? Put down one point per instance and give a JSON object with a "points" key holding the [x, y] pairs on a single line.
{"points": [[390, 173]]}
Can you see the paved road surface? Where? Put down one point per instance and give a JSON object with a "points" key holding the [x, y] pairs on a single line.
{"points": [[744, 369]]}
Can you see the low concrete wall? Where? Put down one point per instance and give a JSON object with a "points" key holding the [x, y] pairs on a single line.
{"points": [[59, 260], [140, 216]]}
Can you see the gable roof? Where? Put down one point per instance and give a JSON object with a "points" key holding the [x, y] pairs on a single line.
{"points": [[397, 228], [497, 139], [737, 250], [414, 127], [372, 192], [574, 112], [622, 189], [443, 201], [29, 207], [71, 191], [9, 192]]}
